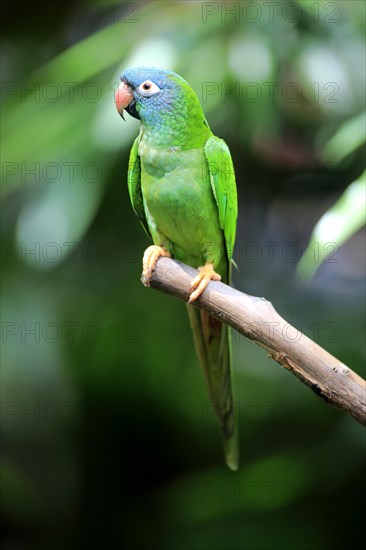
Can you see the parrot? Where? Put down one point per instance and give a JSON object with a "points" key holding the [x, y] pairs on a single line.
{"points": [[182, 187]]}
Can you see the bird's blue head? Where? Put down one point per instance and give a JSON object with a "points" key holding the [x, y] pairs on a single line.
{"points": [[157, 97]]}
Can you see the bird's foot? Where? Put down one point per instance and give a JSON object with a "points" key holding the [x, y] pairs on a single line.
{"points": [[200, 282], [151, 256]]}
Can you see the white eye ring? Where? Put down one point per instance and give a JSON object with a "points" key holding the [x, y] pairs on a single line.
{"points": [[148, 88]]}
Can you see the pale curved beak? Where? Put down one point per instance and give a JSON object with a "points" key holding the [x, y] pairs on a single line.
{"points": [[123, 97]]}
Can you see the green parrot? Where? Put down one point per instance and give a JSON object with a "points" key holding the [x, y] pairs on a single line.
{"points": [[182, 187]]}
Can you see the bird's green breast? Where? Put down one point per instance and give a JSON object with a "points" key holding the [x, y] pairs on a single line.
{"points": [[180, 206]]}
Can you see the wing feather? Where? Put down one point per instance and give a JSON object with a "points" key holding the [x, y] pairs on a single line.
{"points": [[134, 185], [222, 177]]}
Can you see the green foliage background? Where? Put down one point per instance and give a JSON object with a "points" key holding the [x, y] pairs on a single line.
{"points": [[108, 438]]}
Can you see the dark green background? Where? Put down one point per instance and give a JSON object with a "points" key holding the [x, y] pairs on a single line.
{"points": [[108, 438]]}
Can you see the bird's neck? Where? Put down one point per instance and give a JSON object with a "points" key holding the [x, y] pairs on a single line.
{"points": [[176, 128], [168, 138]]}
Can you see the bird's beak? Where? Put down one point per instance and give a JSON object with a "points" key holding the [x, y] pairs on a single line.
{"points": [[123, 97]]}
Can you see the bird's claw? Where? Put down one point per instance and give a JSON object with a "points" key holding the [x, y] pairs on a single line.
{"points": [[151, 256], [201, 281]]}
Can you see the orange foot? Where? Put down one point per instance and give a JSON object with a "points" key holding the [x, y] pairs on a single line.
{"points": [[200, 282], [151, 256]]}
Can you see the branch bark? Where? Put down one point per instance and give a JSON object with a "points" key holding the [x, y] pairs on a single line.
{"points": [[257, 319]]}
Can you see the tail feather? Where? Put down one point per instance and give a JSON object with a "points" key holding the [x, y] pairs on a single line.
{"points": [[213, 346]]}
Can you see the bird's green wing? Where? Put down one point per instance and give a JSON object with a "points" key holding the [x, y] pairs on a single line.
{"points": [[134, 185], [212, 338], [223, 185]]}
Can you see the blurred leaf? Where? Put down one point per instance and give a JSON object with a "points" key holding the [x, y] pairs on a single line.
{"points": [[349, 137], [335, 227], [57, 220]]}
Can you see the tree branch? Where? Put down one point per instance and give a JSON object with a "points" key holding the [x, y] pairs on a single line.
{"points": [[256, 319]]}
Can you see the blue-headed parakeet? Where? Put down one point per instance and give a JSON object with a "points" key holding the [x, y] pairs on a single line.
{"points": [[182, 187]]}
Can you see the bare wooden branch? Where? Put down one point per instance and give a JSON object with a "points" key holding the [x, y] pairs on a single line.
{"points": [[257, 319]]}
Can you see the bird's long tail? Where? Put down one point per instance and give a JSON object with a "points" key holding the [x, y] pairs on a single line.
{"points": [[213, 346]]}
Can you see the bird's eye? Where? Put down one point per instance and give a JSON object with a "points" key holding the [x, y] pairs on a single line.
{"points": [[148, 88]]}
